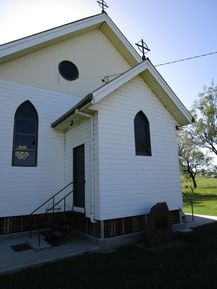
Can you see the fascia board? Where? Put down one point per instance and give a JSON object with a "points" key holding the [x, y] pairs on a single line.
{"points": [[36, 39], [107, 89], [117, 82], [169, 91], [123, 39]]}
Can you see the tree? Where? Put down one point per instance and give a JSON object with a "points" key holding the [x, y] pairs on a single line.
{"points": [[192, 159], [205, 113]]}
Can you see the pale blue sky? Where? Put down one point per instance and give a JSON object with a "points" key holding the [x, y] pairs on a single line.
{"points": [[173, 29]]}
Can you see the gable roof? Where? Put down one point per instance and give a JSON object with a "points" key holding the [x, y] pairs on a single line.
{"points": [[155, 82], [30, 44], [145, 69]]}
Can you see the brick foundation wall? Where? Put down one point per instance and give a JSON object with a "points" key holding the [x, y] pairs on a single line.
{"points": [[112, 228]]}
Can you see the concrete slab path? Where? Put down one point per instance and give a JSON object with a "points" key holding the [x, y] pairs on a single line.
{"points": [[11, 261], [199, 220]]}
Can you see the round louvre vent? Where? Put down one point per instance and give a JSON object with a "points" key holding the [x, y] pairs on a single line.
{"points": [[68, 70]]}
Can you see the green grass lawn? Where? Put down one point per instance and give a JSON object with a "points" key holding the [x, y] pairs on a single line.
{"points": [[193, 264], [204, 197]]}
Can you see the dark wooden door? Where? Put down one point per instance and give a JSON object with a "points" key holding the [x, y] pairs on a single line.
{"points": [[78, 177]]}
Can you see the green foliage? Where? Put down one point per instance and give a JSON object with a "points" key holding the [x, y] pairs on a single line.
{"points": [[204, 196], [205, 113], [192, 159]]}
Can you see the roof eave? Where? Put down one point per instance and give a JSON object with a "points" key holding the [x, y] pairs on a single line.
{"points": [[86, 100], [30, 44], [43, 39], [180, 113], [115, 35], [156, 83]]}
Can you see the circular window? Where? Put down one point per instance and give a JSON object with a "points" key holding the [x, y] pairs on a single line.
{"points": [[68, 70]]}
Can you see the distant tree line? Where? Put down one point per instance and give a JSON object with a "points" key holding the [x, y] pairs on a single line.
{"points": [[198, 139]]}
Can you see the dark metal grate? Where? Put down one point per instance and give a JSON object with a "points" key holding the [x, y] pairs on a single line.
{"points": [[21, 247]]}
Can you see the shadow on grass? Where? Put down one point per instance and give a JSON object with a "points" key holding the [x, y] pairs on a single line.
{"points": [[208, 187], [198, 197], [204, 204]]}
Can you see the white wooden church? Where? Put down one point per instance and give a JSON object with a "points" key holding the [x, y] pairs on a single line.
{"points": [[84, 116]]}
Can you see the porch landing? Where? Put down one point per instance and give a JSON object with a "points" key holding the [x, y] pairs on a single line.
{"points": [[24, 257]]}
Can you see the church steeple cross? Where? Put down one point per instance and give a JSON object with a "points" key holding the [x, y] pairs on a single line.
{"points": [[143, 47], [103, 5]]}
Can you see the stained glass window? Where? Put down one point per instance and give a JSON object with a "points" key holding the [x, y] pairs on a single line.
{"points": [[25, 136]]}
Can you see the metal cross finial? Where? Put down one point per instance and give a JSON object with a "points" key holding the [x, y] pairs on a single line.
{"points": [[103, 5], [143, 47]]}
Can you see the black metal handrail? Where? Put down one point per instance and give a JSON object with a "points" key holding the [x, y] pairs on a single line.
{"points": [[52, 208], [63, 199], [191, 203], [51, 198]]}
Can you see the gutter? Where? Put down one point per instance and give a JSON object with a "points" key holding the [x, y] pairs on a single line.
{"points": [[87, 99]]}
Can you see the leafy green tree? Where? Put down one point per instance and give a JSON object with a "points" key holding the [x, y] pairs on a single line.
{"points": [[192, 159], [205, 113]]}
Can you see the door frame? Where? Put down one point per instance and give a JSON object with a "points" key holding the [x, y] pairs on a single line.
{"points": [[77, 208]]}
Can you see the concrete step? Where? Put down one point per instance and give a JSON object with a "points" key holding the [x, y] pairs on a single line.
{"points": [[182, 228], [36, 245], [54, 237]]}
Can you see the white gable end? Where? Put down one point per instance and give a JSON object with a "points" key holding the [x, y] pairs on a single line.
{"points": [[131, 184], [92, 53]]}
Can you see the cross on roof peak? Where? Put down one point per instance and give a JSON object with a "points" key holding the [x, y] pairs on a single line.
{"points": [[143, 47], [103, 5]]}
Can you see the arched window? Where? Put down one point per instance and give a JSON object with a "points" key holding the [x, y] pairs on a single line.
{"points": [[142, 135], [25, 136]]}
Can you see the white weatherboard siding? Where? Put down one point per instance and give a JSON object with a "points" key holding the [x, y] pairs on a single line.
{"points": [[92, 53], [22, 189], [76, 136], [129, 184]]}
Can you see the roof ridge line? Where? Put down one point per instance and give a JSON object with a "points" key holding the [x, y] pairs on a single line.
{"points": [[50, 29]]}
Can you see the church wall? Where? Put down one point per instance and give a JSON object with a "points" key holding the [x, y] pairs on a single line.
{"points": [[23, 189]]}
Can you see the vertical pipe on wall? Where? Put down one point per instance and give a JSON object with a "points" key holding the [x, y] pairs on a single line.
{"points": [[102, 235]]}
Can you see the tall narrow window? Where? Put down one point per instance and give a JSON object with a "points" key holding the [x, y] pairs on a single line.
{"points": [[142, 135], [25, 136]]}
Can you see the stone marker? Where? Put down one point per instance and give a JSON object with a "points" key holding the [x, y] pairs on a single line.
{"points": [[159, 228]]}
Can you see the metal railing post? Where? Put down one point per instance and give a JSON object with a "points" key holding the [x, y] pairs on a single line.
{"points": [[192, 211], [53, 204], [64, 204], [192, 205], [30, 232], [39, 238], [52, 208]]}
